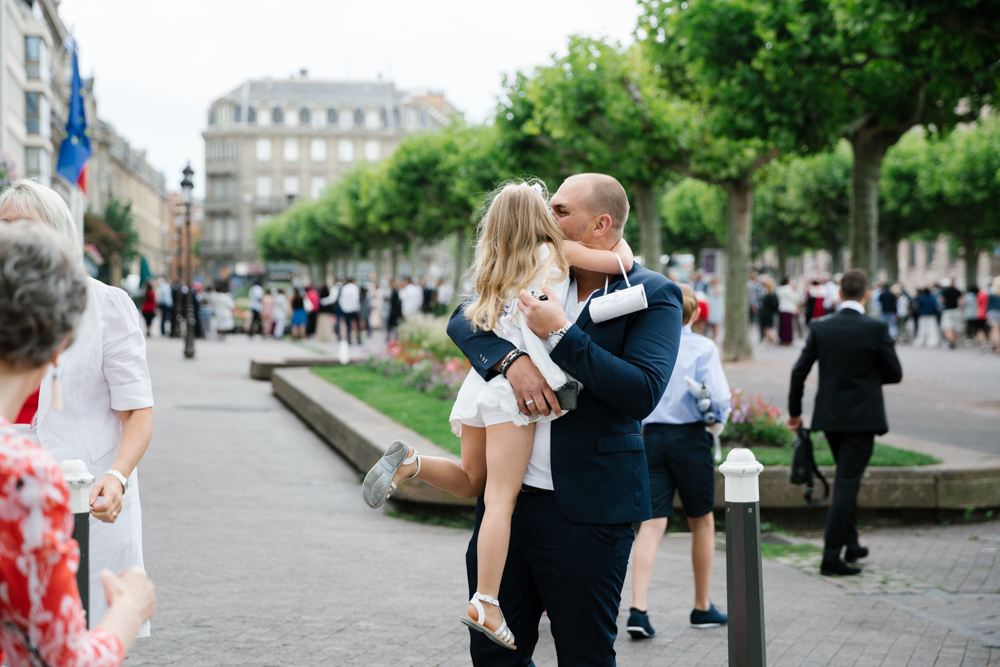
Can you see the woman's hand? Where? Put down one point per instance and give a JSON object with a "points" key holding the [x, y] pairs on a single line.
{"points": [[111, 506], [542, 317], [131, 589]]}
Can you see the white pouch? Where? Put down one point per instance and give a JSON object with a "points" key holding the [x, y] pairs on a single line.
{"points": [[609, 306]]}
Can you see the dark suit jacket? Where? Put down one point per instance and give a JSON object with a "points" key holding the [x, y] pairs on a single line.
{"points": [[598, 457], [856, 357]]}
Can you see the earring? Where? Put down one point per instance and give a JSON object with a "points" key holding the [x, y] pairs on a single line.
{"points": [[57, 399]]}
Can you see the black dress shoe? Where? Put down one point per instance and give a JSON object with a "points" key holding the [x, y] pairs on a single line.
{"points": [[854, 553], [837, 568]]}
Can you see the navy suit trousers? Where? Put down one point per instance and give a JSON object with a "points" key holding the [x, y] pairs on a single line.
{"points": [[572, 571]]}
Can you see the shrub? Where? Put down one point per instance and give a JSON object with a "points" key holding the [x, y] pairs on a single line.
{"points": [[754, 423], [425, 356]]}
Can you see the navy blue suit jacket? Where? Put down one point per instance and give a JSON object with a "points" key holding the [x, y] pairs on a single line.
{"points": [[598, 459]]}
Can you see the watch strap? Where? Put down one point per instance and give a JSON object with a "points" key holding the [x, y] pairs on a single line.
{"points": [[120, 477]]}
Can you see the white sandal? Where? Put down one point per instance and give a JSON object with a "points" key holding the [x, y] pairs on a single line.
{"points": [[502, 635], [378, 485]]}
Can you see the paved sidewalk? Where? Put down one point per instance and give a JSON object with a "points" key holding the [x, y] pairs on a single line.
{"points": [[264, 554]]}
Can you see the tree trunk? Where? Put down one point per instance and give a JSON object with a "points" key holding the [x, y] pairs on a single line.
{"points": [[649, 226], [971, 261], [890, 249], [414, 257], [869, 151], [739, 215], [782, 261], [394, 257], [116, 270], [462, 255]]}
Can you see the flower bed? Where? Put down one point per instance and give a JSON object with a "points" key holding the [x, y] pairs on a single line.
{"points": [[754, 423], [425, 357]]}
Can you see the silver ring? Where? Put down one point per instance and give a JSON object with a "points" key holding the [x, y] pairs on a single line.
{"points": [[531, 402]]}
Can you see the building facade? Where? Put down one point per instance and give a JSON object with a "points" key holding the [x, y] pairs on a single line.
{"points": [[269, 142]]}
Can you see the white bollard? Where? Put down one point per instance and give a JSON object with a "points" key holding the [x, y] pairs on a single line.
{"points": [[79, 480], [744, 583]]}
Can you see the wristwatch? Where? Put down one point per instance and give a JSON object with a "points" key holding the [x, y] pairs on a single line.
{"points": [[556, 336], [120, 477]]}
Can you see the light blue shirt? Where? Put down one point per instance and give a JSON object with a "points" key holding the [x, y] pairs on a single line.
{"points": [[697, 358]]}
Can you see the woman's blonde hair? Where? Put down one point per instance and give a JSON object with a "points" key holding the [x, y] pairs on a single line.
{"points": [[32, 201], [517, 221]]}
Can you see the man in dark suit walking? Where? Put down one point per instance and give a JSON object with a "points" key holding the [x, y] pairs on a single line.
{"points": [[587, 480], [856, 357]]}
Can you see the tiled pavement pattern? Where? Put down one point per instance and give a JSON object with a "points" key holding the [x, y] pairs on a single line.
{"points": [[263, 554]]}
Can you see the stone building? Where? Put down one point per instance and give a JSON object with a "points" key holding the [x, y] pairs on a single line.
{"points": [[270, 141]]}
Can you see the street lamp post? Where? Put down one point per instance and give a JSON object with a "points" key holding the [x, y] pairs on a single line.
{"points": [[186, 187]]}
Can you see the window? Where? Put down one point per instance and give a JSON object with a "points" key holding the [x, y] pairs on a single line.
{"points": [[218, 231], [385, 118], [930, 253], [263, 187], [215, 150], [232, 231], [263, 150], [317, 120], [317, 150], [252, 115], [411, 119], [277, 116], [291, 186], [373, 120], [423, 118], [45, 122], [359, 118], [304, 117], [229, 151], [211, 116], [32, 57], [238, 114], [32, 111], [291, 151], [225, 114], [913, 254], [316, 187], [345, 150], [372, 152], [37, 165], [331, 117], [43, 62], [395, 116], [346, 120]]}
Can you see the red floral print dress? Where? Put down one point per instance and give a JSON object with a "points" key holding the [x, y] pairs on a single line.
{"points": [[41, 618]]}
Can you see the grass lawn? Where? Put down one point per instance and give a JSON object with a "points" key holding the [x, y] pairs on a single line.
{"points": [[414, 409], [428, 416], [883, 455], [773, 551]]}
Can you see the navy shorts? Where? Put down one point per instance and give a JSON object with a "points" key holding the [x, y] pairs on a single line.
{"points": [[680, 457]]}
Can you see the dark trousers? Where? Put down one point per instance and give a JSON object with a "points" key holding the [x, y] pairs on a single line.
{"points": [[851, 451], [166, 315], [573, 571], [256, 324], [352, 319]]}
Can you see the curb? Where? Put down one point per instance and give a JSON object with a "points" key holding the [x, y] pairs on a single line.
{"points": [[262, 368], [360, 434], [357, 431]]}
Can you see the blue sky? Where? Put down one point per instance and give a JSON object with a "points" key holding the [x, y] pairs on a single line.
{"points": [[158, 64]]}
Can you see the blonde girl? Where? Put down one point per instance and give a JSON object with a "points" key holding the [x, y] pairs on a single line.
{"points": [[519, 246]]}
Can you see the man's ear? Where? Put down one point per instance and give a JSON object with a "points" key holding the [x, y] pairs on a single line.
{"points": [[602, 226]]}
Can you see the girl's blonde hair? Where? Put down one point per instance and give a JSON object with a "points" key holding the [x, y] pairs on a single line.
{"points": [[517, 221]]}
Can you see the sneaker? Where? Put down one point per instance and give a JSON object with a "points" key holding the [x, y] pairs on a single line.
{"points": [[638, 624], [712, 618], [839, 568], [852, 554]]}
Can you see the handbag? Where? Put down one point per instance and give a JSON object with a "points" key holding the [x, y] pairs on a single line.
{"points": [[622, 302], [804, 467]]}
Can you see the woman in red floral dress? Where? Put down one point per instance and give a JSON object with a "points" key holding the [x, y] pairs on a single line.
{"points": [[42, 295]]}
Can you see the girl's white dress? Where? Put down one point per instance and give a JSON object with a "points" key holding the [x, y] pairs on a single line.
{"points": [[481, 403]]}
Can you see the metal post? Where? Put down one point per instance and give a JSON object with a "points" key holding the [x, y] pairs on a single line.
{"points": [[189, 333], [79, 480], [744, 584]]}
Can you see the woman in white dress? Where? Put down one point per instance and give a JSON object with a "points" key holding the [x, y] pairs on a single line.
{"points": [[106, 418]]}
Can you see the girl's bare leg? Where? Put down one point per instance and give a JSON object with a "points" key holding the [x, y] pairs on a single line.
{"points": [[507, 452], [463, 481]]}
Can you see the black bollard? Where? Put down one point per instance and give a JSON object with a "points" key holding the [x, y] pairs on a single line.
{"points": [[79, 480], [744, 584]]}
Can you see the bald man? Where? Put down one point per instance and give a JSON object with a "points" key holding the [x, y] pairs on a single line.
{"points": [[587, 481]]}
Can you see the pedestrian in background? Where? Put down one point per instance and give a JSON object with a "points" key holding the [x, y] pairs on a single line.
{"points": [[788, 309], [256, 324], [312, 310], [951, 315], [768, 309], [974, 327], [888, 305], [445, 291], [106, 401], [993, 314], [856, 357], [716, 307], [926, 307], [43, 295], [165, 301], [412, 297], [350, 306], [755, 292], [148, 307], [700, 323], [280, 313], [904, 321], [299, 315], [222, 304], [324, 317], [679, 456], [267, 312]]}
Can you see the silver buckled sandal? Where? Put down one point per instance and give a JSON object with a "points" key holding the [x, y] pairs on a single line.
{"points": [[378, 485], [502, 635]]}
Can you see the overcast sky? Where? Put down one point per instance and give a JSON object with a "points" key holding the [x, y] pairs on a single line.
{"points": [[159, 63]]}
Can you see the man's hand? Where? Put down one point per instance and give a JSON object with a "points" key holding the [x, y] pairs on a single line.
{"points": [[542, 317], [794, 423], [108, 509], [529, 385]]}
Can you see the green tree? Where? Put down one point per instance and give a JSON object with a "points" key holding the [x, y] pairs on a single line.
{"points": [[694, 216], [114, 235]]}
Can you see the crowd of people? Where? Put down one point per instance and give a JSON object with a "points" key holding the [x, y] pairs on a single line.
{"points": [[938, 315]]}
